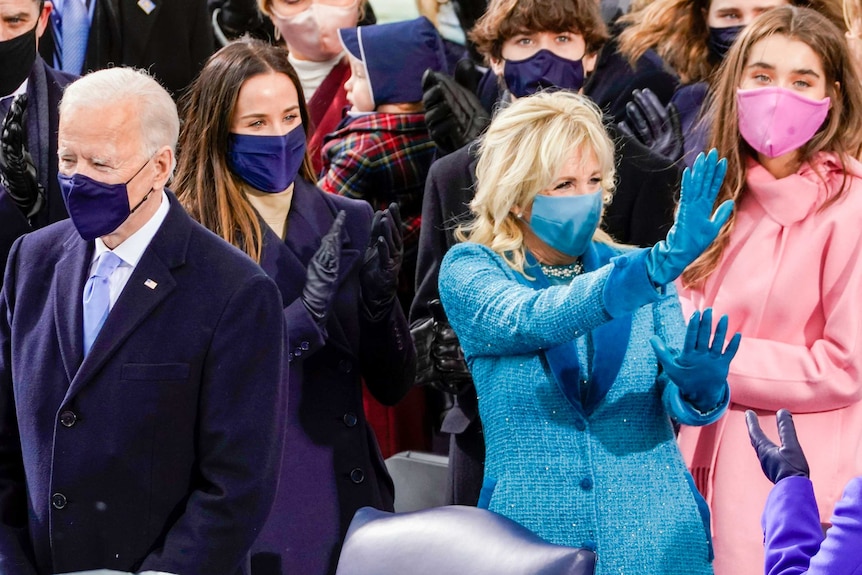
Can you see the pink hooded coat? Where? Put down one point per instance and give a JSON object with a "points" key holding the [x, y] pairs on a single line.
{"points": [[790, 281]]}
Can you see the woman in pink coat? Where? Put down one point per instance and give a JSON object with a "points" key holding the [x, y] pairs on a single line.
{"points": [[786, 269]]}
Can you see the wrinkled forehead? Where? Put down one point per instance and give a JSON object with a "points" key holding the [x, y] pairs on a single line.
{"points": [[107, 128]]}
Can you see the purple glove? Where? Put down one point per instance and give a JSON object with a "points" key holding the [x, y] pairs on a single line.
{"points": [[778, 462]]}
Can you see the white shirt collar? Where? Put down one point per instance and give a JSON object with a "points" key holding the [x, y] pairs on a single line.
{"points": [[131, 250], [21, 89]]}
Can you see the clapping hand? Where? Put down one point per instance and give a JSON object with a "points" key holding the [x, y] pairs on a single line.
{"points": [[655, 126], [695, 227], [700, 368], [17, 171], [453, 114], [776, 461], [382, 263], [321, 281]]}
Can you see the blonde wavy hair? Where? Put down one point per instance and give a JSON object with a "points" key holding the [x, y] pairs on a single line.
{"points": [[678, 32], [841, 132], [521, 154]]}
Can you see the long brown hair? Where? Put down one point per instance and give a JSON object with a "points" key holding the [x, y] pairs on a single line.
{"points": [[678, 32], [205, 186], [841, 132]]}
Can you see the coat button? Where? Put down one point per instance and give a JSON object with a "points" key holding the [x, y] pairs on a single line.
{"points": [[350, 419], [357, 476], [304, 346], [290, 356], [58, 501], [297, 352], [586, 483], [345, 366], [68, 418]]}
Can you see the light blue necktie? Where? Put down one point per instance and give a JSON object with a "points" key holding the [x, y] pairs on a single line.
{"points": [[97, 297], [75, 22]]}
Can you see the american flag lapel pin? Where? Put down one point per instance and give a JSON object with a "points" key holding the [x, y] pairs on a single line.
{"points": [[150, 284], [147, 6]]}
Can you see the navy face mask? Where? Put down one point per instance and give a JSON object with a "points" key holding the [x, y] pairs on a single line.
{"points": [[541, 71], [267, 163], [97, 208], [721, 39]]}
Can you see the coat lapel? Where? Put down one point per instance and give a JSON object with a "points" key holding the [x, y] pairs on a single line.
{"points": [[166, 251], [138, 24], [70, 275]]}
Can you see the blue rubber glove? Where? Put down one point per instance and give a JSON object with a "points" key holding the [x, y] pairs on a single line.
{"points": [[700, 369], [693, 230], [778, 462]]}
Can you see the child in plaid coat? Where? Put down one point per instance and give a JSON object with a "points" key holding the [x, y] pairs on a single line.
{"points": [[381, 152]]}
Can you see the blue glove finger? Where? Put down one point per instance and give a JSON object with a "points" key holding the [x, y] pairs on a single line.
{"points": [[704, 330], [707, 171], [732, 347], [717, 178], [718, 337], [690, 342], [662, 353], [694, 178]]}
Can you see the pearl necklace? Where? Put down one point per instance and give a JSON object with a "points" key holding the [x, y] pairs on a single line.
{"points": [[566, 272]]}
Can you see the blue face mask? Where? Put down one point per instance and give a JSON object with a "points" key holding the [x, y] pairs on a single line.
{"points": [[267, 163], [721, 39], [542, 71], [97, 208], [567, 223]]}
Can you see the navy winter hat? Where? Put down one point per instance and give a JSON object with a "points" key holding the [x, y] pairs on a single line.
{"points": [[395, 56]]}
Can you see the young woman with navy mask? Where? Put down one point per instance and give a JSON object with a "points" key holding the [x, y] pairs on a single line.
{"points": [[244, 173], [786, 269], [577, 347]]}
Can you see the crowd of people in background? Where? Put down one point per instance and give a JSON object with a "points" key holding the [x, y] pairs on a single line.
{"points": [[584, 248]]}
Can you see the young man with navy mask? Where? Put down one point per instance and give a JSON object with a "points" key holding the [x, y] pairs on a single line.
{"points": [[530, 45], [142, 364], [30, 92]]}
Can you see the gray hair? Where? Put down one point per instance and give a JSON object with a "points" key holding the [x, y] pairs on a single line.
{"points": [[160, 123]]}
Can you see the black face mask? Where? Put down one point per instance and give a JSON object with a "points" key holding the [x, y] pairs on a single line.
{"points": [[721, 39], [16, 60]]}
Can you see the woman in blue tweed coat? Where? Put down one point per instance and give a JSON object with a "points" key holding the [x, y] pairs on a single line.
{"points": [[578, 348]]}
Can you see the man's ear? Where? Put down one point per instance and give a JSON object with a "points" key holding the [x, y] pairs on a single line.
{"points": [[42, 23], [164, 161], [589, 62], [497, 66]]}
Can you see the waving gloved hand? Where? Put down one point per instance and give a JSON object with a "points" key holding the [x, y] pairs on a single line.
{"points": [[778, 462], [440, 360], [700, 368], [693, 230], [17, 171], [655, 126], [453, 113], [321, 279], [378, 278]]}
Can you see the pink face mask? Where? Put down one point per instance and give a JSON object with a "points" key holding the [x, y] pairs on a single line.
{"points": [[775, 121], [314, 31]]}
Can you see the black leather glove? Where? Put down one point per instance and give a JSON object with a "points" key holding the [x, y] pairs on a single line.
{"points": [[321, 277], [655, 126], [379, 274], [440, 361], [17, 171], [778, 462], [453, 113], [236, 17]]}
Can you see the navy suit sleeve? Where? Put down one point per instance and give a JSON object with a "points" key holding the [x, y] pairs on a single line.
{"points": [[240, 436], [306, 337], [14, 542]]}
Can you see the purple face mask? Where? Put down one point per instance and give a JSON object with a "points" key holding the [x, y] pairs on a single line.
{"points": [[775, 121], [542, 71], [97, 208], [267, 163]]}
